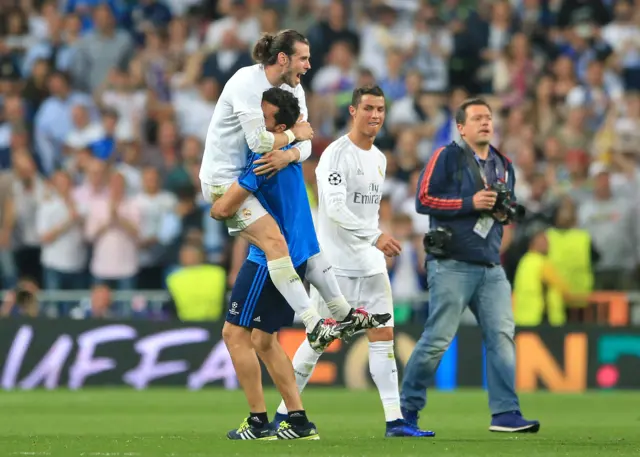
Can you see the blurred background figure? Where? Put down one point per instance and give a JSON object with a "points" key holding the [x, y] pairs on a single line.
{"points": [[197, 289]]}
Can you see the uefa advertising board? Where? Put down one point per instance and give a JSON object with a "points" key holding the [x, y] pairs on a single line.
{"points": [[72, 354]]}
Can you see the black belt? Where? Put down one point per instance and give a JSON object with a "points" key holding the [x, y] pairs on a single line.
{"points": [[472, 262], [484, 264]]}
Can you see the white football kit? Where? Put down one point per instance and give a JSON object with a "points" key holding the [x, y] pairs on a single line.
{"points": [[350, 189], [238, 123]]}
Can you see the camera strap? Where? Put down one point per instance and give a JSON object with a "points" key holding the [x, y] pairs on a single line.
{"points": [[476, 170]]}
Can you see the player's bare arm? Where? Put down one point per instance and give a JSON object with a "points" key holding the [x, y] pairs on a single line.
{"points": [[275, 161], [301, 131], [228, 204]]}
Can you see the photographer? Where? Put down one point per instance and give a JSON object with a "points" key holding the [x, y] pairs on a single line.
{"points": [[467, 190]]}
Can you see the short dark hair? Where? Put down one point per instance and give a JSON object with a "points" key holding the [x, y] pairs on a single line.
{"points": [[359, 92], [62, 75], [461, 112], [287, 103], [268, 47]]}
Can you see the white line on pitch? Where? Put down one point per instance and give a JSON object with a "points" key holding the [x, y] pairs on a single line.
{"points": [[31, 453]]}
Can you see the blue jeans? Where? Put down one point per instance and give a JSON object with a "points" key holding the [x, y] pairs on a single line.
{"points": [[453, 285], [60, 280], [120, 284], [8, 272]]}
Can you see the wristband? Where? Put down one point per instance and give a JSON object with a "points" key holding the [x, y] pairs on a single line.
{"points": [[290, 136]]}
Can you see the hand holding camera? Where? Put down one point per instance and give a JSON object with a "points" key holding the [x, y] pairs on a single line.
{"points": [[484, 200], [497, 200], [504, 206]]}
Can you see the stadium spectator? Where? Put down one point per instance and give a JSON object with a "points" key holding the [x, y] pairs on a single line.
{"points": [[612, 223], [541, 294], [23, 300], [197, 289], [121, 95], [59, 226], [112, 226], [100, 50], [130, 166], [573, 254], [153, 203], [193, 108], [53, 121], [84, 132], [7, 221], [406, 271], [29, 190], [94, 176], [98, 306], [184, 223]]}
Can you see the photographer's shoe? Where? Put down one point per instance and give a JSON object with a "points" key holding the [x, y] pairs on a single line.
{"points": [[411, 417], [513, 422], [401, 428]]}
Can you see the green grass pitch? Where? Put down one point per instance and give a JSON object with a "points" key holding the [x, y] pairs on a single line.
{"points": [[180, 423]]}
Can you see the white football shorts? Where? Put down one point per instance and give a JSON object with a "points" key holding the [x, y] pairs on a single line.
{"points": [[373, 293], [250, 211]]}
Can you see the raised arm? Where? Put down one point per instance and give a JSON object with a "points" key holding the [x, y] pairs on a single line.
{"points": [[247, 105]]}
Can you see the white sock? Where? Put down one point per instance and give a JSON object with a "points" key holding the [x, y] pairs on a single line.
{"points": [[384, 371], [288, 283], [320, 275], [304, 361]]}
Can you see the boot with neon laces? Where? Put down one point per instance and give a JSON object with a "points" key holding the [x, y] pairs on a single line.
{"points": [[297, 427], [363, 320], [326, 331], [513, 422], [401, 428], [254, 427], [278, 419]]}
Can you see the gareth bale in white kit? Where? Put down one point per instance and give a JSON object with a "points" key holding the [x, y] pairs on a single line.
{"points": [[238, 123], [238, 127]]}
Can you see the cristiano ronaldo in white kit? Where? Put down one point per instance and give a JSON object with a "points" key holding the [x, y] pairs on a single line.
{"points": [[350, 183], [350, 176]]}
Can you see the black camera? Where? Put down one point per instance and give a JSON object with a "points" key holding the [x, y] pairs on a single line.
{"points": [[504, 204], [436, 242]]}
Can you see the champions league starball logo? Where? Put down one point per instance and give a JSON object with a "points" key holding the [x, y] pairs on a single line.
{"points": [[335, 178]]}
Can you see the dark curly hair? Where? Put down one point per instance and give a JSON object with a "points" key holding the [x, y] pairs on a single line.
{"points": [[287, 103]]}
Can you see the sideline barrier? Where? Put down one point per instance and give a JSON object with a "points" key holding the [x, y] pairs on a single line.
{"points": [[607, 307], [63, 353]]}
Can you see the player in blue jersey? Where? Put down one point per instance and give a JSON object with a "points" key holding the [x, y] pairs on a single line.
{"points": [[255, 303]]}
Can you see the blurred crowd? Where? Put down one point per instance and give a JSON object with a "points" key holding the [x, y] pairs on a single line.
{"points": [[105, 107]]}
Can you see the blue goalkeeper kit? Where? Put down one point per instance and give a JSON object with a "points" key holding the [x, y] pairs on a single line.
{"points": [[255, 301]]}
